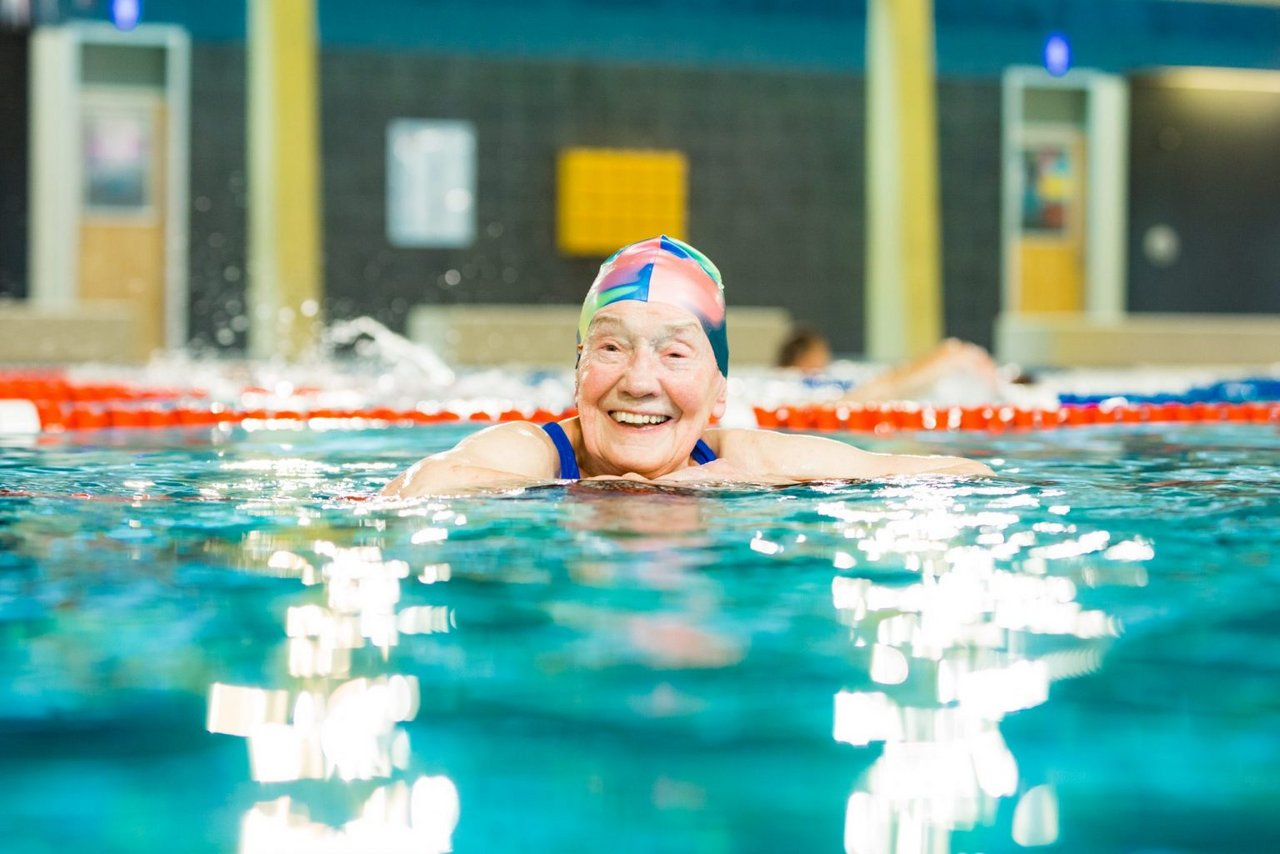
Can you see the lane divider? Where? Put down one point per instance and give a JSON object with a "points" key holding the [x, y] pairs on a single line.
{"points": [[56, 416], [54, 386], [60, 405], [895, 417]]}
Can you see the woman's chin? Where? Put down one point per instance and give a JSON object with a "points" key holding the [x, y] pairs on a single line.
{"points": [[643, 466]]}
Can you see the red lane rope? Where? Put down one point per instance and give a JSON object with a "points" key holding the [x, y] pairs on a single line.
{"points": [[894, 417], [57, 416], [66, 405]]}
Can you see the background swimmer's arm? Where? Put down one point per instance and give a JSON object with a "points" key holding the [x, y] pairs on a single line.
{"points": [[505, 455], [767, 454], [951, 361]]}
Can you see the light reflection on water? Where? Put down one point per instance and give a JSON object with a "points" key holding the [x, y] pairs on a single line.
{"points": [[334, 725], [954, 651], [568, 668]]}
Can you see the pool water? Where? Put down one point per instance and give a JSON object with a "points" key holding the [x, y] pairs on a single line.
{"points": [[214, 640]]}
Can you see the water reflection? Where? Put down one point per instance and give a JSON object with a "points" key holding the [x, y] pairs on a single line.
{"points": [[608, 507], [963, 604], [972, 635], [333, 725]]}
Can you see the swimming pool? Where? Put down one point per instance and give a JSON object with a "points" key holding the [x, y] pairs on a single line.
{"points": [[211, 641]]}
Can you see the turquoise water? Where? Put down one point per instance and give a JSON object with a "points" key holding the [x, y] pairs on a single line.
{"points": [[210, 642]]}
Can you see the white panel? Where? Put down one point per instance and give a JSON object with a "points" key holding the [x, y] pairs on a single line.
{"points": [[431, 183], [55, 166], [1106, 261], [177, 224]]}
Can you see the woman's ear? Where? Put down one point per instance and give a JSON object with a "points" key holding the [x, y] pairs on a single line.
{"points": [[722, 397], [577, 376]]}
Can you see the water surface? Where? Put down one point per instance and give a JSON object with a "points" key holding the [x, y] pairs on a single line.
{"points": [[212, 641]]}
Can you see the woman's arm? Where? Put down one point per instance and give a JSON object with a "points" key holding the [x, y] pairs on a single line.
{"points": [[505, 455], [769, 455]]}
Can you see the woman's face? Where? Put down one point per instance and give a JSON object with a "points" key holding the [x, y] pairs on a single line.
{"points": [[647, 386]]}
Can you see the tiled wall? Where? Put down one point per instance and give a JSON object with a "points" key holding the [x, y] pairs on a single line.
{"points": [[217, 250], [776, 181], [1205, 172], [13, 164], [776, 185], [969, 173]]}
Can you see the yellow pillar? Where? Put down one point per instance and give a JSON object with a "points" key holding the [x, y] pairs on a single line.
{"points": [[904, 282], [285, 277]]}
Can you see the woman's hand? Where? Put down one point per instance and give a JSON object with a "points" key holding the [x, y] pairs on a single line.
{"points": [[631, 476]]}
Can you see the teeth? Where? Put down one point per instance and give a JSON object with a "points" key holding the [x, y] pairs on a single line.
{"points": [[635, 418]]}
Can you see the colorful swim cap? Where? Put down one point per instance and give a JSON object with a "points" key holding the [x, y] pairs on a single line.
{"points": [[663, 269]]}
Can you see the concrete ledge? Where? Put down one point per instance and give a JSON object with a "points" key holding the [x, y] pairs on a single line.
{"points": [[100, 331], [544, 335], [1070, 340]]}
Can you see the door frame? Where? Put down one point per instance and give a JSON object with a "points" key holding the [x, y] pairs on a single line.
{"points": [[1105, 134], [56, 168]]}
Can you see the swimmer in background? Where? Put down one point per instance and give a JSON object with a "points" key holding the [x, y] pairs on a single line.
{"points": [[953, 372], [805, 349], [651, 378]]}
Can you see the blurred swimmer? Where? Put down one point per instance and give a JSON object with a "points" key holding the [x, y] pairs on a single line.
{"points": [[651, 377], [806, 349], [954, 372]]}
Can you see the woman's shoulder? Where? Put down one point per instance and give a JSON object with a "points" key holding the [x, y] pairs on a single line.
{"points": [[523, 443]]}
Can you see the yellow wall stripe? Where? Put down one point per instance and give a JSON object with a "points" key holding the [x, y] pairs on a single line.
{"points": [[286, 279], [904, 287]]}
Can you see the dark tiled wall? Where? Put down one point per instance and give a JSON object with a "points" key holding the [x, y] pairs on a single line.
{"points": [[14, 164], [969, 169], [776, 183], [216, 267], [1203, 164], [775, 178]]}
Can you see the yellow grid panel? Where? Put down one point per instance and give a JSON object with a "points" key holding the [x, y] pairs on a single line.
{"points": [[609, 197]]}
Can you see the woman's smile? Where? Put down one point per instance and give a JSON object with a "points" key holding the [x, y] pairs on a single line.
{"points": [[638, 419]]}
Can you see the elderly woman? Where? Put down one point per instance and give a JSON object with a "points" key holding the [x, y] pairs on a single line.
{"points": [[650, 380]]}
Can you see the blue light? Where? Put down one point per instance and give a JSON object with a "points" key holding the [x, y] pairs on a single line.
{"points": [[1057, 54], [125, 13]]}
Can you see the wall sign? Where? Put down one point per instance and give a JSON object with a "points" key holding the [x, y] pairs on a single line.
{"points": [[431, 183]]}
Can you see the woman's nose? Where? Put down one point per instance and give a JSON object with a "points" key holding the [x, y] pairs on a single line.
{"points": [[641, 376]]}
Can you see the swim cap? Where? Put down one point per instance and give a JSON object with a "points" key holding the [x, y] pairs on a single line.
{"points": [[663, 269]]}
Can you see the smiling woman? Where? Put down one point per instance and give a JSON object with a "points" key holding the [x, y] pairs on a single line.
{"points": [[650, 381]]}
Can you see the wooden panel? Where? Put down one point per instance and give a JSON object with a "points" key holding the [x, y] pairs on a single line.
{"points": [[85, 332], [1073, 340], [122, 255], [1052, 277], [126, 262]]}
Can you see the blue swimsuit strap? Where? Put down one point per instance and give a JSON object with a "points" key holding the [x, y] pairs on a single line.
{"points": [[702, 453], [568, 459]]}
